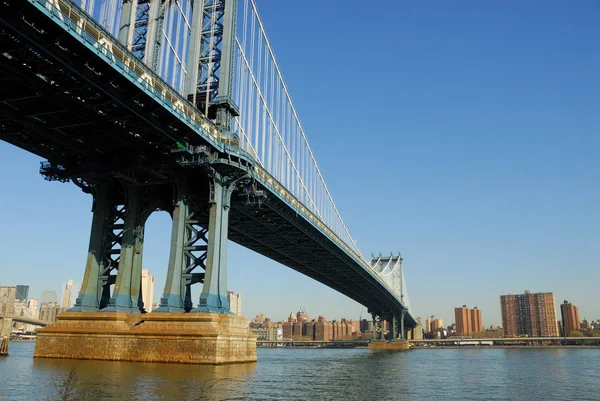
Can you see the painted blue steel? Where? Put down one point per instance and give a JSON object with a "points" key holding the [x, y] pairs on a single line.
{"points": [[122, 303], [103, 52], [206, 305]]}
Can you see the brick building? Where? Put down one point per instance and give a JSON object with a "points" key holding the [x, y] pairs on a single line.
{"points": [[468, 321], [570, 318], [532, 315]]}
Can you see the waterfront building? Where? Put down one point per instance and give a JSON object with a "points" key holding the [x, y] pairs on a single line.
{"points": [[22, 292], [147, 290], [287, 327], [468, 321], [297, 329], [417, 332], [366, 325], [322, 329], [66, 298], [528, 314], [49, 311], [437, 324], [308, 330], [428, 324], [570, 318], [235, 303], [356, 326]]}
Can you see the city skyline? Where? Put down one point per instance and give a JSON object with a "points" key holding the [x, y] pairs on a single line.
{"points": [[491, 163], [149, 279], [463, 316]]}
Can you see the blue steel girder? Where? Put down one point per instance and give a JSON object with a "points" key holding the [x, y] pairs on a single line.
{"points": [[211, 38], [209, 83], [140, 33]]}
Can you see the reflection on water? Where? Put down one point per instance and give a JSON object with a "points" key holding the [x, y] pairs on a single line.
{"points": [[319, 374], [127, 380]]}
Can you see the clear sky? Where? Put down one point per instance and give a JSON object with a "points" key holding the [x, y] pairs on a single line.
{"points": [[464, 134]]}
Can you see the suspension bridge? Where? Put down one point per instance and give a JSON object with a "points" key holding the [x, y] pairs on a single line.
{"points": [[178, 105]]}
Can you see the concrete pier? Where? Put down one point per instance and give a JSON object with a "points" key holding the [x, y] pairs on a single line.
{"points": [[199, 338]]}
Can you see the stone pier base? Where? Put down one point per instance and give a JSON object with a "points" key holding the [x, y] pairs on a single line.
{"points": [[201, 338], [397, 345]]}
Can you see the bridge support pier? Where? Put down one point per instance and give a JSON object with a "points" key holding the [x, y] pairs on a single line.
{"points": [[101, 326], [106, 234], [393, 342], [214, 291], [198, 338]]}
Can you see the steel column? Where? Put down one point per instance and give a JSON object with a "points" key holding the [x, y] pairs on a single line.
{"points": [[191, 78], [214, 291], [374, 326], [127, 26], [394, 327], [154, 34], [172, 299], [402, 334], [125, 297], [105, 235]]}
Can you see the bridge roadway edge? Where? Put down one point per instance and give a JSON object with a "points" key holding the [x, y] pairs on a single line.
{"points": [[195, 338]]}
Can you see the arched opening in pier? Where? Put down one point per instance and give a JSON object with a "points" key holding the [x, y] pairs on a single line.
{"points": [[155, 262]]}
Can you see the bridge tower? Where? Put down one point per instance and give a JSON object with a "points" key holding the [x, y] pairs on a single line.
{"points": [[194, 190], [390, 269]]}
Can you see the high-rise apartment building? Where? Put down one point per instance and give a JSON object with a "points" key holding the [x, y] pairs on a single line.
{"points": [[437, 324], [529, 314], [476, 322], [468, 321], [235, 303], [428, 324], [147, 289], [22, 293], [570, 318], [67, 289], [462, 317]]}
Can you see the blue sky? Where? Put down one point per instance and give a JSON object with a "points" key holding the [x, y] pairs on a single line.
{"points": [[464, 134]]}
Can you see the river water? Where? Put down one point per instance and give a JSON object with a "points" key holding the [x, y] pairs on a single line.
{"points": [[318, 374]]}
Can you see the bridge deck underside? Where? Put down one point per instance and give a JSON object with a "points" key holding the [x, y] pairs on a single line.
{"points": [[61, 102], [276, 231]]}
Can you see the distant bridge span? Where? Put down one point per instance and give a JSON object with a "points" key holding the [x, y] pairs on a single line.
{"points": [[26, 320]]}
